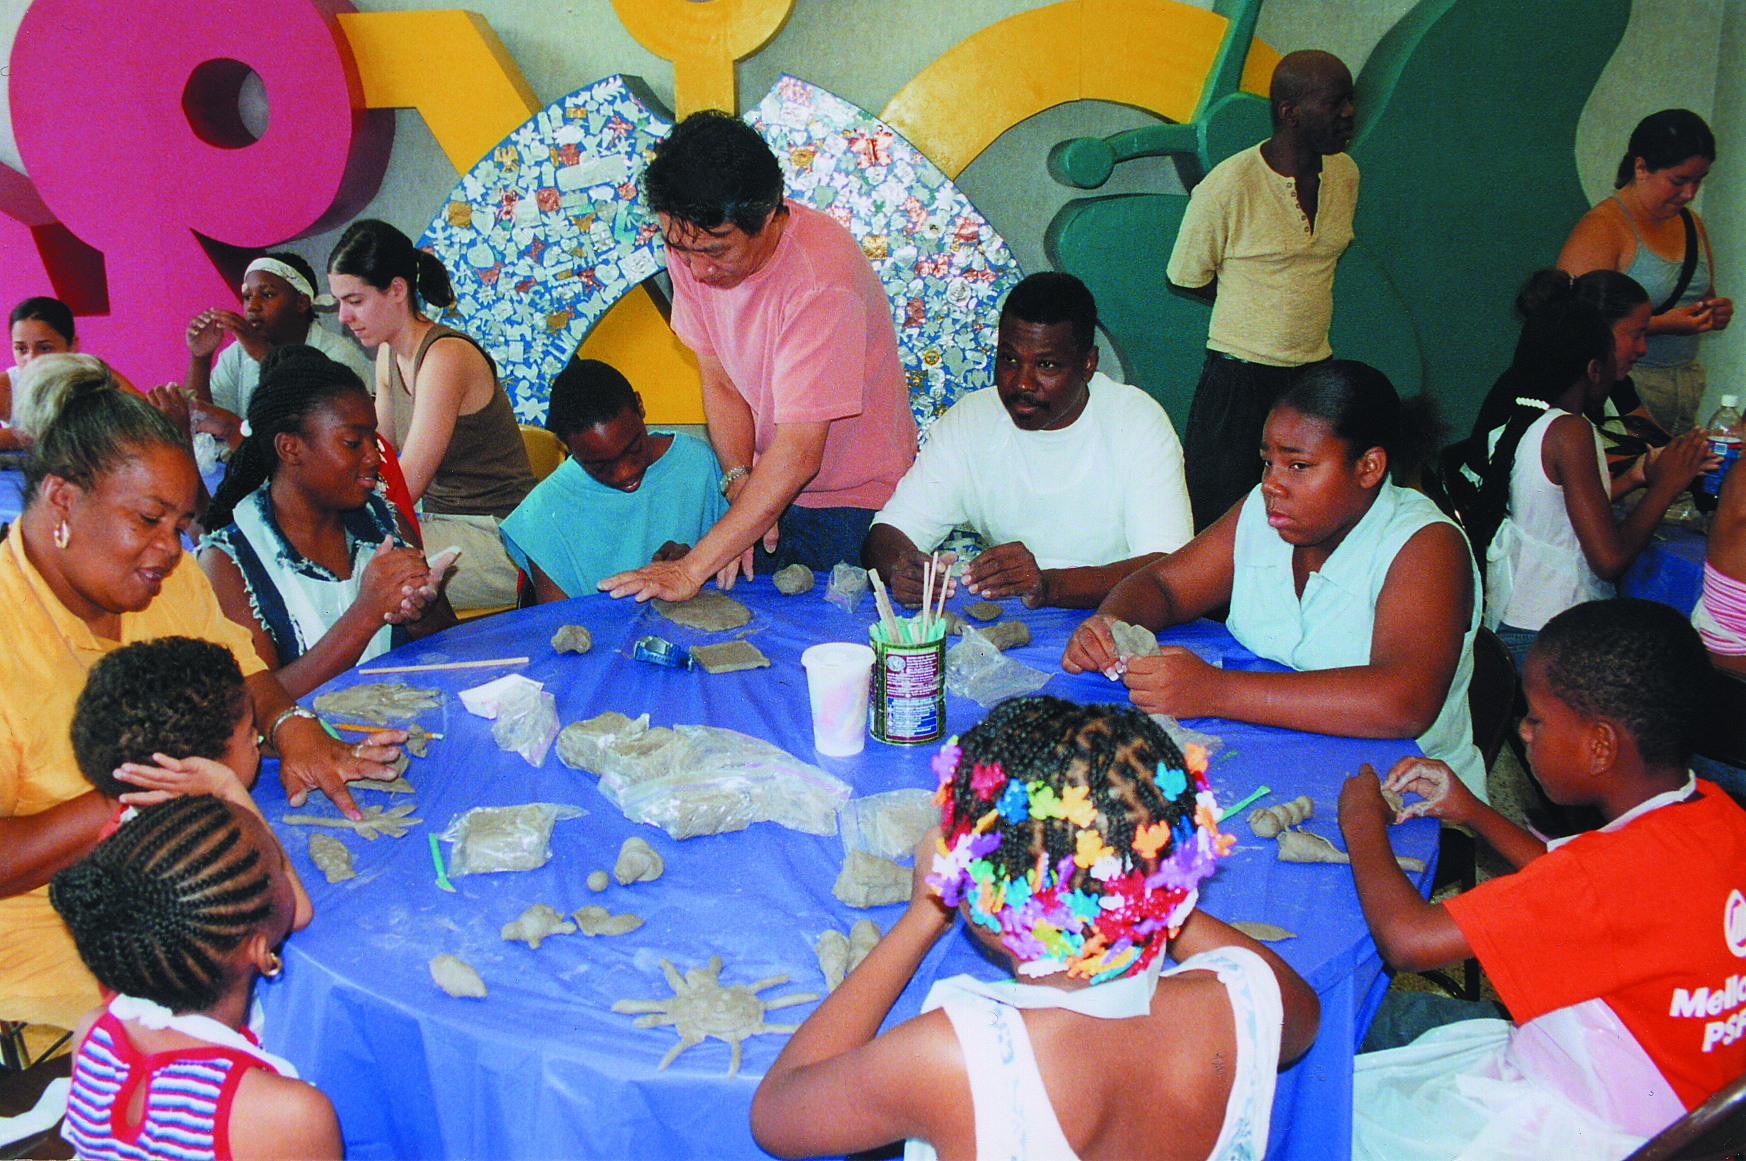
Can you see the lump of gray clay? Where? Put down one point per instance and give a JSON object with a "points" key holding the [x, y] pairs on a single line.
{"points": [[572, 639], [793, 580], [1008, 635], [456, 976], [331, 857], [637, 862], [1133, 640], [870, 881], [535, 924], [595, 920], [983, 610], [597, 881]]}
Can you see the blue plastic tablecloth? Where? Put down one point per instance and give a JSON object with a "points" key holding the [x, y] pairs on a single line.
{"points": [[543, 1067], [1670, 569]]}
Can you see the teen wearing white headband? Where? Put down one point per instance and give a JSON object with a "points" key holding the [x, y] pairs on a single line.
{"points": [[279, 305]]}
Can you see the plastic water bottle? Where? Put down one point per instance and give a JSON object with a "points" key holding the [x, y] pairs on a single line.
{"points": [[1725, 439]]}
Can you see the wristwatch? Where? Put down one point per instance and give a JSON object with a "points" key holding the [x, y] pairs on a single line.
{"points": [[295, 711], [733, 474]]}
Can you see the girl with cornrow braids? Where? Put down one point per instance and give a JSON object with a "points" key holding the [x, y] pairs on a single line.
{"points": [[307, 556], [177, 913], [1073, 839]]}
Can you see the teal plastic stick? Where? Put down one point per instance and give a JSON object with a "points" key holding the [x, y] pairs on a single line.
{"points": [[436, 856], [1230, 810]]}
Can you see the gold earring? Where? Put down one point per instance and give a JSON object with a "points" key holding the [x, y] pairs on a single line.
{"points": [[274, 965], [63, 536]]}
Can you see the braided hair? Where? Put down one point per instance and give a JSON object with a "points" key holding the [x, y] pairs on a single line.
{"points": [[156, 907], [1060, 805], [180, 696], [297, 381]]}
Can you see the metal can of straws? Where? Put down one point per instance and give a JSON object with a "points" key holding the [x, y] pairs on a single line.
{"points": [[908, 702]]}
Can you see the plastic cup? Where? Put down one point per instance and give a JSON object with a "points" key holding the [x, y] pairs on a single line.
{"points": [[837, 674]]}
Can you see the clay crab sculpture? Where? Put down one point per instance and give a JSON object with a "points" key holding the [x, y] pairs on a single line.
{"points": [[701, 1007]]}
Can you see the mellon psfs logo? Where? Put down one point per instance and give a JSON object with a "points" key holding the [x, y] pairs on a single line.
{"points": [[1734, 923]]}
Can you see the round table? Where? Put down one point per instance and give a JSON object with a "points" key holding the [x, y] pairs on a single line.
{"points": [[543, 1067]]}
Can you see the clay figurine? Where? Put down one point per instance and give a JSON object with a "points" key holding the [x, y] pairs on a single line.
{"points": [[571, 639], [708, 612], [380, 702], [832, 950], [1267, 821], [456, 976], [594, 920], [1300, 846], [700, 1006], [331, 858], [535, 924], [793, 580], [391, 822], [637, 862], [862, 936]]}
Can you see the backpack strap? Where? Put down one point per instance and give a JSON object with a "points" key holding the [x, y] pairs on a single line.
{"points": [[1686, 268]]}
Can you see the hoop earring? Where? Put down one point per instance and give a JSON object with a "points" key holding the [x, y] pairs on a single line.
{"points": [[274, 965], [63, 536]]}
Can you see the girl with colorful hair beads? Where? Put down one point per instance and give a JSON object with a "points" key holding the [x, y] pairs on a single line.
{"points": [[177, 913], [1073, 840]]}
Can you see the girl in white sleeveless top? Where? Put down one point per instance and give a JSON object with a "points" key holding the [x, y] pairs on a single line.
{"points": [[1074, 838]]}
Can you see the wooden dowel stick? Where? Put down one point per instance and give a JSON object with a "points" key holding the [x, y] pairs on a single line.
{"points": [[435, 665], [378, 729]]}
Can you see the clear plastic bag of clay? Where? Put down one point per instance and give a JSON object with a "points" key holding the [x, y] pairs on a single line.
{"points": [[504, 838], [1183, 736], [846, 585], [888, 825], [976, 669], [527, 721], [707, 780]]}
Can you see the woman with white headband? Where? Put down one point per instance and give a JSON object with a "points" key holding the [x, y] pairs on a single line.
{"points": [[278, 298]]}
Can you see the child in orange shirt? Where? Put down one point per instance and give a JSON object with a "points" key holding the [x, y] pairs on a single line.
{"points": [[1618, 952]]}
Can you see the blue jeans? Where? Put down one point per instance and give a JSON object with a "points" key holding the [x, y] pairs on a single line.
{"points": [[819, 538], [1518, 642]]}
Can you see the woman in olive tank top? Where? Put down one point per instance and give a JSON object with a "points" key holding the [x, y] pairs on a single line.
{"points": [[438, 399]]}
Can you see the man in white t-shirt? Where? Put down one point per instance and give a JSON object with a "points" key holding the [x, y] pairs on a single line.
{"points": [[1075, 479]]}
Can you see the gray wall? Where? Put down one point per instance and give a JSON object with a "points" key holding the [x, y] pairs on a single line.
{"points": [[865, 50]]}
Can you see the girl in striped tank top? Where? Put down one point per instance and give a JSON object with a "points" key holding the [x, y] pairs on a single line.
{"points": [[177, 912]]}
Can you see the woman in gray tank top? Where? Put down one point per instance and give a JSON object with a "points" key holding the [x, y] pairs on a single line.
{"points": [[1642, 231]]}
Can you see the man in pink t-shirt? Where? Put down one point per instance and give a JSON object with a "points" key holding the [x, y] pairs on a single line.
{"points": [[806, 401]]}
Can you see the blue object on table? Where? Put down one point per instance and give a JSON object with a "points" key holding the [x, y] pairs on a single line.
{"points": [[543, 1068], [660, 652], [1670, 569]]}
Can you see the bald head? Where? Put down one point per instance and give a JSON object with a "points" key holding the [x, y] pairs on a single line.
{"points": [[1311, 98]]}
